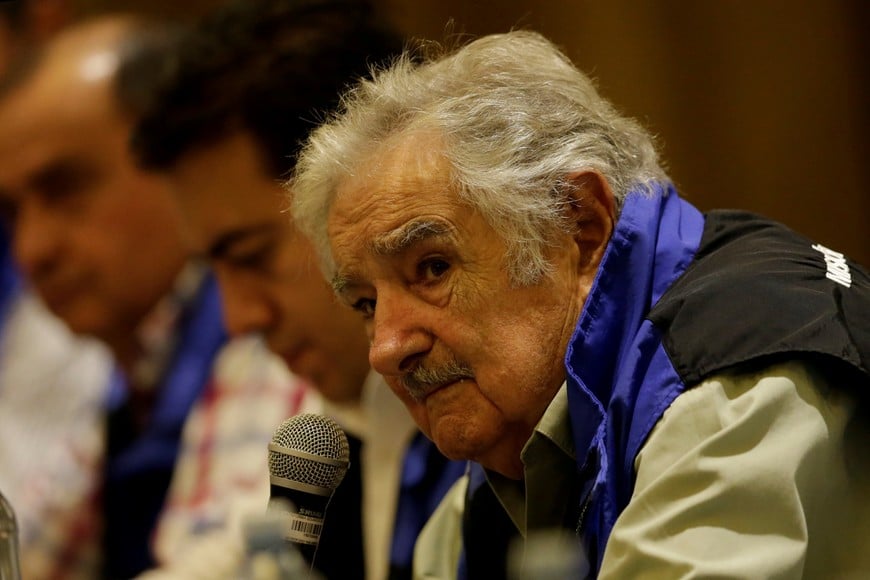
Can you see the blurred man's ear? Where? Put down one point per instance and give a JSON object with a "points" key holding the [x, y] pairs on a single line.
{"points": [[592, 210]]}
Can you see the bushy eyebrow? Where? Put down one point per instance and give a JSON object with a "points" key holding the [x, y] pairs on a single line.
{"points": [[403, 237], [339, 283], [395, 242]]}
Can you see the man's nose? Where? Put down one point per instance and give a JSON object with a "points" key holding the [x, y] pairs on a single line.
{"points": [[245, 309], [38, 238], [399, 337]]}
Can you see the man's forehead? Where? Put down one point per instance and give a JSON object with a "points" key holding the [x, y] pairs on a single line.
{"points": [[402, 176], [226, 202], [33, 148], [46, 114], [402, 161], [386, 223], [399, 192], [212, 228]]}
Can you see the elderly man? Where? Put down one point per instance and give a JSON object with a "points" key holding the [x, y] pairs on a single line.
{"points": [[681, 390], [225, 131]]}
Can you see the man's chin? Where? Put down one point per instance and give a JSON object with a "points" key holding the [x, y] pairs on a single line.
{"points": [[453, 436], [83, 323], [94, 323], [455, 450]]}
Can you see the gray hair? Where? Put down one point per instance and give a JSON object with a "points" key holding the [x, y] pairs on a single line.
{"points": [[516, 120]]}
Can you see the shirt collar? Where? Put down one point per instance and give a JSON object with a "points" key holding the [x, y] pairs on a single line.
{"points": [[538, 501], [653, 242]]}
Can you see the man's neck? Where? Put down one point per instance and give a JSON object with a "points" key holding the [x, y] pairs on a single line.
{"points": [[125, 346]]}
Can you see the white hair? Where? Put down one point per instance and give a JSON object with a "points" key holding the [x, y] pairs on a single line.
{"points": [[515, 119]]}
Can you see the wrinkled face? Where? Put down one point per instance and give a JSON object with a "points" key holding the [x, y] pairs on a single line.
{"points": [[268, 274], [99, 239], [475, 359]]}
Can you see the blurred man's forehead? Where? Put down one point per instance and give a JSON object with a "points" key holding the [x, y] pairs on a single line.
{"points": [[98, 66], [44, 138], [56, 99]]}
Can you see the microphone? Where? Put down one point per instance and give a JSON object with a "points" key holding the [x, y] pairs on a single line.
{"points": [[9, 569], [266, 553], [308, 457]]}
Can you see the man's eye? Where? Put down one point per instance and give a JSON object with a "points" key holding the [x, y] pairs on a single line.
{"points": [[365, 306], [433, 269], [252, 259], [69, 182]]}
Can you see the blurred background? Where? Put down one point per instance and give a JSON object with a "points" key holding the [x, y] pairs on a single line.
{"points": [[758, 105]]}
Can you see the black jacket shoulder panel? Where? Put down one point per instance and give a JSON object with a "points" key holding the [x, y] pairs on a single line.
{"points": [[757, 291]]}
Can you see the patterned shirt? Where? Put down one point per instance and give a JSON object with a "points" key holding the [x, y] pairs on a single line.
{"points": [[222, 473], [52, 388]]}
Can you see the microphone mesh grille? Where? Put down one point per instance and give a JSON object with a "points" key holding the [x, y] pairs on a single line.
{"points": [[316, 435]]}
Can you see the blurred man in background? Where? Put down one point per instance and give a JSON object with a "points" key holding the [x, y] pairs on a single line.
{"points": [[101, 242], [249, 85], [53, 385]]}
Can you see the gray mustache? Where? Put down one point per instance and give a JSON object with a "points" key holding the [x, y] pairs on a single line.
{"points": [[422, 380]]}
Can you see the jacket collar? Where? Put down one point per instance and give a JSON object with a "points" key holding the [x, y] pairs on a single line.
{"points": [[655, 239]]}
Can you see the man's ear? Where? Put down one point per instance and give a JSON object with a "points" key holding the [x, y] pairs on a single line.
{"points": [[592, 211]]}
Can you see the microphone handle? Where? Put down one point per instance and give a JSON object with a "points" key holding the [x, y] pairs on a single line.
{"points": [[9, 569], [305, 514]]}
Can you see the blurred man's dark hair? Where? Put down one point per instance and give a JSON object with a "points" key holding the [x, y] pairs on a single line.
{"points": [[145, 61], [269, 67]]}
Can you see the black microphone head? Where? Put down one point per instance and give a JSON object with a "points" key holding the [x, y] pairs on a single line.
{"points": [[311, 450]]}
